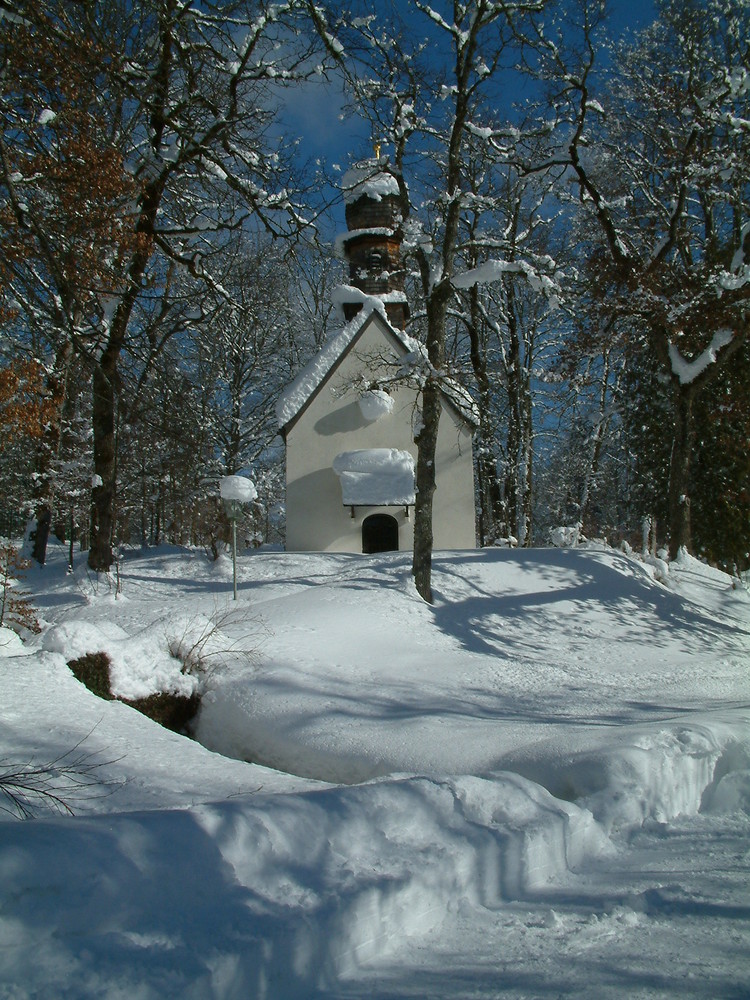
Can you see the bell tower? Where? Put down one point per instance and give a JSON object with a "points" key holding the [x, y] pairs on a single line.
{"points": [[372, 243]]}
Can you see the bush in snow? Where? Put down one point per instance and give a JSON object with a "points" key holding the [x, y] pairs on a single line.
{"points": [[566, 537], [92, 669], [203, 645], [172, 710]]}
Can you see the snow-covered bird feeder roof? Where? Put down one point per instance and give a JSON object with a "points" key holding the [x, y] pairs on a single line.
{"points": [[368, 178], [376, 477], [238, 488]]}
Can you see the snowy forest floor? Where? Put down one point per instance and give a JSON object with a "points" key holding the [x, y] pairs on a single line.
{"points": [[537, 787]]}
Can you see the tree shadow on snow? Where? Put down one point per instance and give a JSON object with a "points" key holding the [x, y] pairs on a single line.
{"points": [[605, 593]]}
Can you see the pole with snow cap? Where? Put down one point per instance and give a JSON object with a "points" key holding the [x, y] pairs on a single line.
{"points": [[236, 491]]}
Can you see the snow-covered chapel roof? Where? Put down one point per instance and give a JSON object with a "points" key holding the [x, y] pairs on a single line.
{"points": [[300, 392]]}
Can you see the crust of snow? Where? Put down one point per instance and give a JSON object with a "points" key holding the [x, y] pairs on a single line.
{"points": [[350, 294], [368, 178], [238, 488], [376, 477], [539, 816], [137, 670], [352, 234]]}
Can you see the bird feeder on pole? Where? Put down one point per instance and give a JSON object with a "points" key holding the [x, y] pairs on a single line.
{"points": [[235, 492]]}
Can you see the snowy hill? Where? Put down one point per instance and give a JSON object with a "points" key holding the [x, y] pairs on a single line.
{"points": [[538, 786]]}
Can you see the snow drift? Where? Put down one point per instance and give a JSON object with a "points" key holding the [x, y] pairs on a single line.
{"points": [[486, 788]]}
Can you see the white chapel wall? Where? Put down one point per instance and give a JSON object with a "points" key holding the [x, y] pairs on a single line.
{"points": [[317, 519]]}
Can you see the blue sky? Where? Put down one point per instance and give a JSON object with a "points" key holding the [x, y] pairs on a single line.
{"points": [[315, 111], [631, 14]]}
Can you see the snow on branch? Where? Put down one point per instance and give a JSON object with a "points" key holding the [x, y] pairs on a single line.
{"points": [[739, 269], [437, 18], [688, 371], [495, 136], [494, 270]]}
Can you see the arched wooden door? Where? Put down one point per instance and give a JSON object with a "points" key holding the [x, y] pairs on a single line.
{"points": [[380, 533]]}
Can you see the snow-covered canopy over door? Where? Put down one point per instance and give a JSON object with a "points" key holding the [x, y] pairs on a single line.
{"points": [[376, 477]]}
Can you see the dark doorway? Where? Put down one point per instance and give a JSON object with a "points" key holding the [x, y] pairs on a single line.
{"points": [[380, 533]]}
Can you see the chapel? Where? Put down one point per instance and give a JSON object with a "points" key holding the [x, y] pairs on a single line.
{"points": [[348, 420]]}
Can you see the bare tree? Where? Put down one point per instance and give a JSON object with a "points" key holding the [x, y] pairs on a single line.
{"points": [[427, 76], [661, 163], [176, 106], [510, 311]]}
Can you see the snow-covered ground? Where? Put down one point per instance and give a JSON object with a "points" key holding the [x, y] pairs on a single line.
{"points": [[537, 787]]}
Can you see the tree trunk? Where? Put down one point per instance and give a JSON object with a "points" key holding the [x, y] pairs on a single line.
{"points": [[512, 471], [597, 447], [490, 514], [56, 385], [517, 483], [513, 449], [426, 439], [490, 510], [41, 534], [679, 471], [104, 397], [526, 468], [425, 483], [103, 490]]}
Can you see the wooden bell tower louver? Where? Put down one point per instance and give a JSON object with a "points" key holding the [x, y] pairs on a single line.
{"points": [[372, 244]]}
